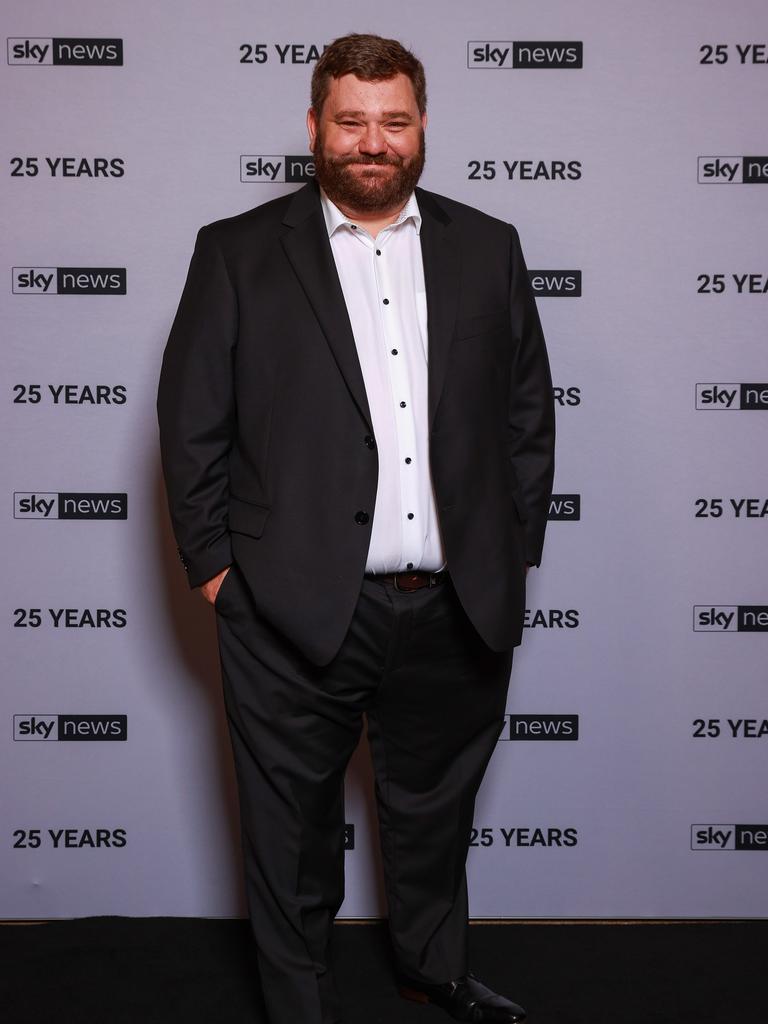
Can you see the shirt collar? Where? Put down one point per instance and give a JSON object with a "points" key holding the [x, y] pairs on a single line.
{"points": [[334, 218]]}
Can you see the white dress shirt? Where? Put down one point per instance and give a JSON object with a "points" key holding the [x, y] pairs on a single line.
{"points": [[383, 284]]}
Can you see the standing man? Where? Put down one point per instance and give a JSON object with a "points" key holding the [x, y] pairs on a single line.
{"points": [[357, 428]]}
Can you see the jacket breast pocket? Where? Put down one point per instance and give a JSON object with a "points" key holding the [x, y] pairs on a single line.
{"points": [[483, 323], [247, 517]]}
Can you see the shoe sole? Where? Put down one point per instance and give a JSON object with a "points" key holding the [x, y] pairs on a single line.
{"points": [[414, 995]]}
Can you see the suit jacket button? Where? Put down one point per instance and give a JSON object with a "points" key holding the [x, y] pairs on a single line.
{"points": [[361, 518], [368, 441]]}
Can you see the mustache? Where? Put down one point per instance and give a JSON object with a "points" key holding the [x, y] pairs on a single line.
{"points": [[368, 161]]}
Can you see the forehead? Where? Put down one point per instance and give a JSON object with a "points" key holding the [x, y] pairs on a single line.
{"points": [[352, 93]]}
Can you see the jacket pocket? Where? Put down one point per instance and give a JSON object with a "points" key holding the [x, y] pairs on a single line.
{"points": [[247, 517]]}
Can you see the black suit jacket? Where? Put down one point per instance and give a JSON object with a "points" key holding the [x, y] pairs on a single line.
{"points": [[266, 437]]}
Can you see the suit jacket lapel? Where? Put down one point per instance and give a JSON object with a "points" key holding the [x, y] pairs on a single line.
{"points": [[309, 250], [440, 254]]}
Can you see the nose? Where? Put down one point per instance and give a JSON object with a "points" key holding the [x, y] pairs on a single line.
{"points": [[372, 141]]}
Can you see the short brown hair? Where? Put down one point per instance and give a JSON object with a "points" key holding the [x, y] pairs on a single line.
{"points": [[371, 58]]}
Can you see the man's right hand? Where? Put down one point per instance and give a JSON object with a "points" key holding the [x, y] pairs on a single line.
{"points": [[210, 588]]}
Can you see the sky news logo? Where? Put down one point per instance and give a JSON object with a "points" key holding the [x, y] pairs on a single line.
{"points": [[564, 507], [269, 169], [729, 837], [69, 281], [42, 728], [497, 54], [540, 727], [556, 283], [730, 397], [733, 170], [26, 51], [69, 505], [730, 618]]}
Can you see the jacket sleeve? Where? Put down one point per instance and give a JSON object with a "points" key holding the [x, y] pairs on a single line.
{"points": [[196, 412], [531, 421]]}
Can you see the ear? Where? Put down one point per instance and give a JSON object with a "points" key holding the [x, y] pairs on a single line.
{"points": [[424, 121], [311, 129]]}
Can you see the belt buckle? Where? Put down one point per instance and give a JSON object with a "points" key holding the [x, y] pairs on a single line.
{"points": [[404, 590]]}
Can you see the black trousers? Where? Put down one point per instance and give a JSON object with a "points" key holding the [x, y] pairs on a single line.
{"points": [[434, 695]]}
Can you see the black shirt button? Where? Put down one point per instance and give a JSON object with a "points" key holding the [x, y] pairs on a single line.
{"points": [[378, 252], [368, 441], [409, 566], [410, 515], [386, 302], [402, 405], [361, 518], [394, 351], [408, 460]]}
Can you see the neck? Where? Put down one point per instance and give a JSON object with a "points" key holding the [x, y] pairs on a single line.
{"points": [[372, 220]]}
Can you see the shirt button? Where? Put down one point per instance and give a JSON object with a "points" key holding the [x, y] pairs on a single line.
{"points": [[394, 351], [410, 515], [368, 441], [409, 566], [378, 252], [361, 518], [402, 405], [408, 460], [353, 226], [386, 302]]}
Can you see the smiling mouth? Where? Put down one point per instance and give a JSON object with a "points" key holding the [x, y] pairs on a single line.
{"points": [[367, 169], [370, 163]]}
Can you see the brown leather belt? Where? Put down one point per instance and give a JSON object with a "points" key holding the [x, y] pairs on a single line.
{"points": [[408, 581]]}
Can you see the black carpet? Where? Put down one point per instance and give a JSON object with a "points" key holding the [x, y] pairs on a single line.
{"points": [[110, 970]]}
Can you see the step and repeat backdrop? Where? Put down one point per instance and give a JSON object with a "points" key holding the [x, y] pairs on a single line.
{"points": [[624, 141]]}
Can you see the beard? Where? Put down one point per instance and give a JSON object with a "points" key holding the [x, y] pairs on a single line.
{"points": [[368, 191]]}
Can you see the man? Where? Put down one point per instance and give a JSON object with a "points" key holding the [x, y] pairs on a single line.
{"points": [[357, 428]]}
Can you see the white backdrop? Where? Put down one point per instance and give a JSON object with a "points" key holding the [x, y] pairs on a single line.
{"points": [[648, 799]]}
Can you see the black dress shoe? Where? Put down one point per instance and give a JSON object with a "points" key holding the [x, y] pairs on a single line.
{"points": [[465, 999]]}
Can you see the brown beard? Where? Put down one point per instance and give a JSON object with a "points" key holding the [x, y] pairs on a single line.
{"points": [[365, 192]]}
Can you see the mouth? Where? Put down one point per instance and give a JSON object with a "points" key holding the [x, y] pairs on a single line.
{"points": [[371, 164]]}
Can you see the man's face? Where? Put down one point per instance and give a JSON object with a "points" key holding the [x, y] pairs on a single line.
{"points": [[368, 143]]}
